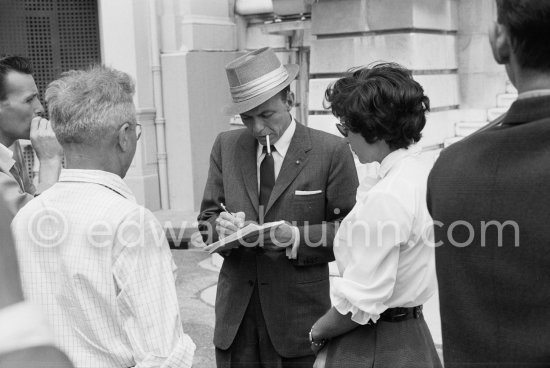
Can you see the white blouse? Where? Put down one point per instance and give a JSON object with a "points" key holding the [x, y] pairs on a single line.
{"points": [[384, 247]]}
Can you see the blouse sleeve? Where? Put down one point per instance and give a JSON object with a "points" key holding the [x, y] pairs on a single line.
{"points": [[370, 242]]}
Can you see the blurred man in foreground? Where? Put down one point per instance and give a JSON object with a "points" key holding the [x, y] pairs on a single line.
{"points": [[489, 197], [26, 339]]}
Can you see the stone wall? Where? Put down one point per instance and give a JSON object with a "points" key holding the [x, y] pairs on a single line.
{"points": [[481, 78], [418, 34], [199, 37], [444, 42], [128, 48]]}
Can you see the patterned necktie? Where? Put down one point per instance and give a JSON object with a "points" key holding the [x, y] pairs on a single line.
{"points": [[17, 175], [267, 177]]}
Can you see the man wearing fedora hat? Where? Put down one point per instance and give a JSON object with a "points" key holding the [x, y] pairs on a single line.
{"points": [[276, 169]]}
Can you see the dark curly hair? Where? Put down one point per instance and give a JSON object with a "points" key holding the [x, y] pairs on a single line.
{"points": [[380, 102], [528, 22]]}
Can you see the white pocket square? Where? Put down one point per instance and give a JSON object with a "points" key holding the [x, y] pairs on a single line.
{"points": [[307, 192]]}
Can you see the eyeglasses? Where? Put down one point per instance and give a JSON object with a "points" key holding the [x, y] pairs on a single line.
{"points": [[344, 130], [138, 130]]}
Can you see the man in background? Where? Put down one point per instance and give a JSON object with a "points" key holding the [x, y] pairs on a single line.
{"points": [[20, 108], [489, 198], [98, 263]]}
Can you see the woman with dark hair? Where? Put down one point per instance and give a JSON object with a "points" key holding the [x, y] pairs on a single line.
{"points": [[384, 247]]}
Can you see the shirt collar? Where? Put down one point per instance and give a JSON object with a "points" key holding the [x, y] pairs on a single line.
{"points": [[6, 158], [534, 93], [283, 143], [393, 158], [107, 179]]}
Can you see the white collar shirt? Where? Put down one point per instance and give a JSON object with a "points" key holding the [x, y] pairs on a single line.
{"points": [[534, 93], [99, 266], [279, 156], [6, 158], [384, 246]]}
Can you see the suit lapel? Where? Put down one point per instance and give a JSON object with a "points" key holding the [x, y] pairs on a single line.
{"points": [[246, 159], [295, 159]]}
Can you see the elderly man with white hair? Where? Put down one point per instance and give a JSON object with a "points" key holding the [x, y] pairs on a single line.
{"points": [[96, 262]]}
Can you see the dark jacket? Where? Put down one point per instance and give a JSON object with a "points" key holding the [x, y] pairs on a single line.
{"points": [[490, 195], [293, 293]]}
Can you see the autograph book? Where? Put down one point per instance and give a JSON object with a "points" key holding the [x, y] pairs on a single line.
{"points": [[250, 231]]}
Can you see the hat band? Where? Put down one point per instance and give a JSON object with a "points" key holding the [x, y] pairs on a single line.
{"points": [[259, 85]]}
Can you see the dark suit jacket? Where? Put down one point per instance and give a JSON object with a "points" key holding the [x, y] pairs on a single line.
{"points": [[293, 293], [495, 300]]}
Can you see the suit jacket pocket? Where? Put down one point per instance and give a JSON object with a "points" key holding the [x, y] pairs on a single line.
{"points": [[312, 282], [309, 208]]}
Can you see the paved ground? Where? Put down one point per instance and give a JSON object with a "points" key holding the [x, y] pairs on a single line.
{"points": [[197, 314], [196, 287]]}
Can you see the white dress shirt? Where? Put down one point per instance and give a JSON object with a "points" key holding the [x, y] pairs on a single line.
{"points": [[534, 93], [5, 151], [384, 246], [279, 156], [11, 188], [100, 267], [281, 147]]}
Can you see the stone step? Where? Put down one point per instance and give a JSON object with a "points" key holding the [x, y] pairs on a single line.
{"points": [[494, 113], [506, 99], [465, 128]]}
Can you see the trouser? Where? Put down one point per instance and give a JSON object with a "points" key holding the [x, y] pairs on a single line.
{"points": [[252, 346]]}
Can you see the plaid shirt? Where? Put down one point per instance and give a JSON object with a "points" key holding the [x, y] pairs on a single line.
{"points": [[100, 267]]}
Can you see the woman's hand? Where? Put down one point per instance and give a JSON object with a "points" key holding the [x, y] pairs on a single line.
{"points": [[328, 326], [317, 344]]}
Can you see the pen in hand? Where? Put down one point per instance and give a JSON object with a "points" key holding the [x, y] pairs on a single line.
{"points": [[231, 213], [225, 209]]}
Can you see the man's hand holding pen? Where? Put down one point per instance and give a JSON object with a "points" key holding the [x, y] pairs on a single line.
{"points": [[277, 240], [227, 223]]}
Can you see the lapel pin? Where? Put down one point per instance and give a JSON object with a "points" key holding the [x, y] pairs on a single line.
{"points": [[297, 162]]}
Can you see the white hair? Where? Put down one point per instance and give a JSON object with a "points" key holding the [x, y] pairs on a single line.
{"points": [[88, 106]]}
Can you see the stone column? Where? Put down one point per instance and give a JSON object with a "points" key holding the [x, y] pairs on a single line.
{"points": [[198, 40], [125, 42]]}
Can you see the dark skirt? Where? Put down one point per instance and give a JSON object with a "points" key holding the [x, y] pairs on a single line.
{"points": [[384, 345]]}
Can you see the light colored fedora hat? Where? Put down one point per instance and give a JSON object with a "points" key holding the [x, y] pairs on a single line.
{"points": [[256, 77]]}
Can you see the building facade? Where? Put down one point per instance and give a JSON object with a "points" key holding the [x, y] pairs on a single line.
{"points": [[176, 51]]}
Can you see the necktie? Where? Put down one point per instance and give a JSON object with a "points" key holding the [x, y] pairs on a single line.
{"points": [[267, 177], [17, 175]]}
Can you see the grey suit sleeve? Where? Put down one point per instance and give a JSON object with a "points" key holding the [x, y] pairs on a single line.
{"points": [[213, 195], [340, 199], [14, 197]]}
